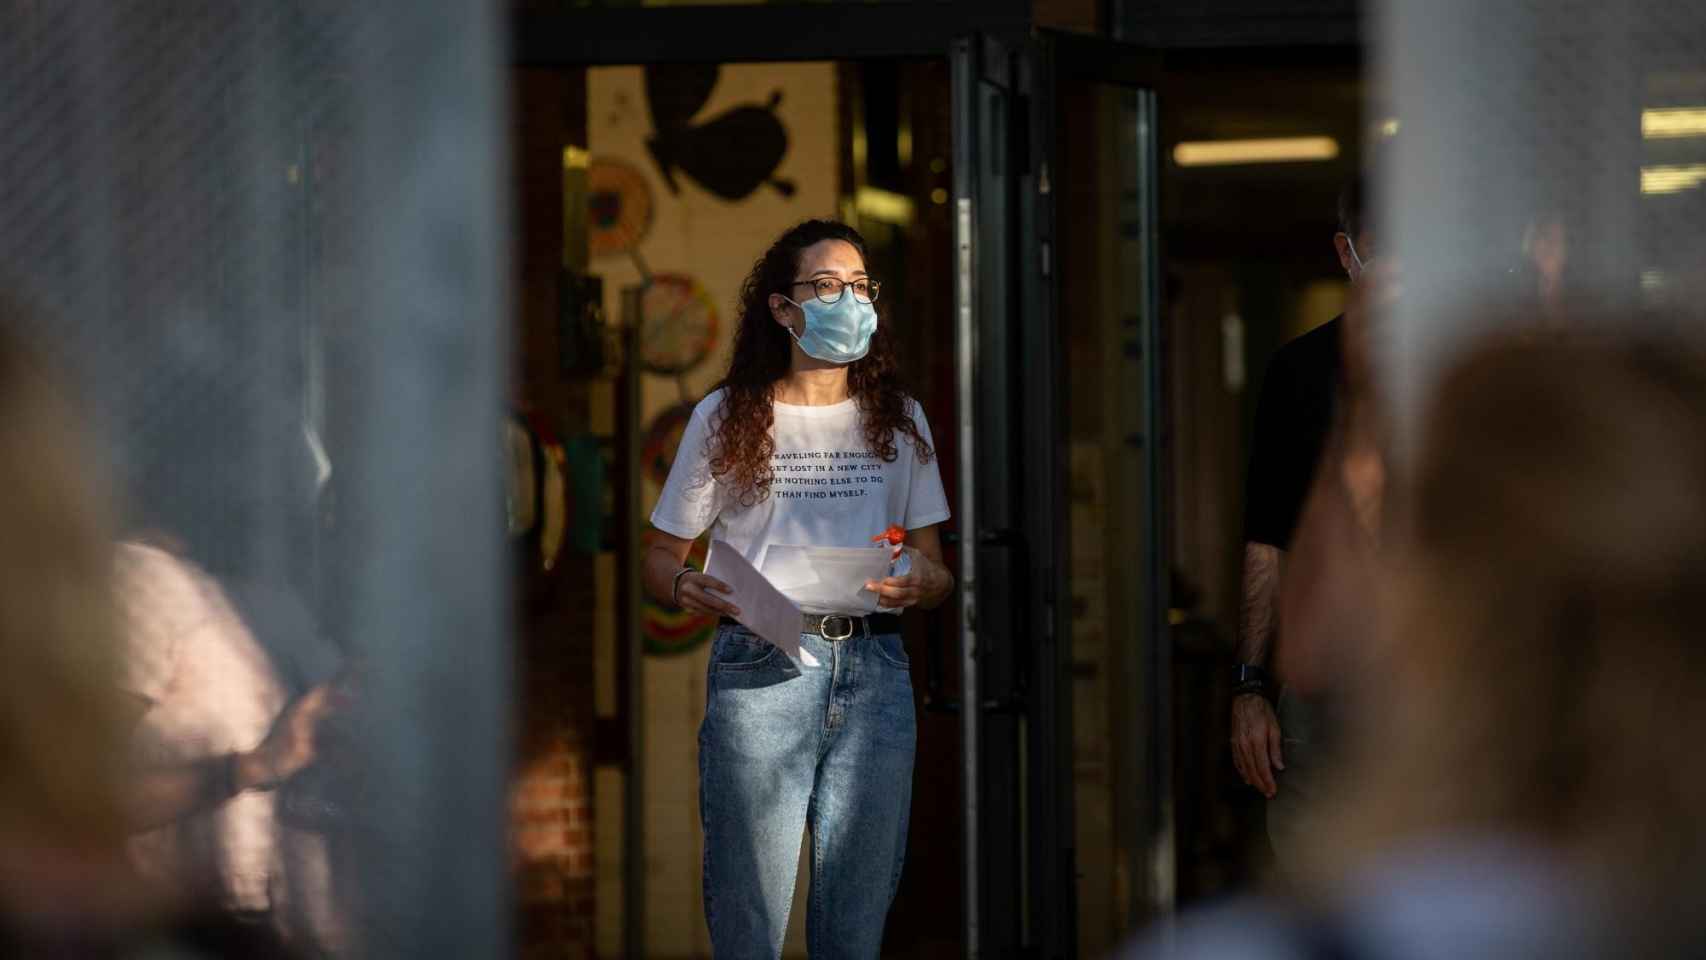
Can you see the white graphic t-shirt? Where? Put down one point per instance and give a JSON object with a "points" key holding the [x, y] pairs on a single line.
{"points": [[829, 488]]}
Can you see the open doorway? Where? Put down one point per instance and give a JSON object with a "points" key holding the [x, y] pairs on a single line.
{"points": [[1249, 154], [643, 194], [637, 216]]}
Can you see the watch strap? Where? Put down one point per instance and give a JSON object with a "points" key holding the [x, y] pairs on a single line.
{"points": [[1249, 678]]}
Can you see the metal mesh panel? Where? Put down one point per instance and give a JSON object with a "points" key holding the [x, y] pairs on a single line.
{"points": [[264, 241], [1528, 176]]}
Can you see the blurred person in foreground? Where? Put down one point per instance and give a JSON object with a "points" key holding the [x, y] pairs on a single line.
{"points": [[220, 653], [1527, 673], [66, 886], [217, 733], [1283, 740]]}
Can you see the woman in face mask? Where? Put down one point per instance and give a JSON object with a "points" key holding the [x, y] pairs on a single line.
{"points": [[808, 442]]}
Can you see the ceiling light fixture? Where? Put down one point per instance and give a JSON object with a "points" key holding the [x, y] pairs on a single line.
{"points": [[1673, 123], [1220, 153], [1672, 179]]}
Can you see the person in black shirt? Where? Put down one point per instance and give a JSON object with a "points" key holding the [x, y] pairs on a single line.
{"points": [[1294, 417]]}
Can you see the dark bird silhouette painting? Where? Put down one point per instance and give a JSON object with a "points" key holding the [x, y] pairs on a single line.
{"points": [[731, 154]]}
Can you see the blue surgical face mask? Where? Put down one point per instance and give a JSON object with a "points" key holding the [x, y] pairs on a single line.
{"points": [[838, 332]]}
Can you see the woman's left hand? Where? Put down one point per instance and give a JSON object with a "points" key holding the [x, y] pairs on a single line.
{"points": [[927, 585]]}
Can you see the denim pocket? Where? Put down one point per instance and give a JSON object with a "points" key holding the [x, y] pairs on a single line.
{"points": [[892, 649], [740, 650]]}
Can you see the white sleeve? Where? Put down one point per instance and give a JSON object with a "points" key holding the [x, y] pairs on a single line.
{"points": [[158, 607], [926, 502], [689, 502]]}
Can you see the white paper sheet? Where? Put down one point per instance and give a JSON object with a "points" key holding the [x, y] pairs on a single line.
{"points": [[763, 608], [828, 579]]}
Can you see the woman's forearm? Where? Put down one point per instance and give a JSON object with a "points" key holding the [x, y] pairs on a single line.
{"points": [[939, 584], [658, 572]]}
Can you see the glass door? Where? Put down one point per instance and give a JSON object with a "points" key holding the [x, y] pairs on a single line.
{"points": [[1106, 292], [1068, 749]]}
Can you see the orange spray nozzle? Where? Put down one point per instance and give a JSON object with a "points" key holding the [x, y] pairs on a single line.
{"points": [[894, 535]]}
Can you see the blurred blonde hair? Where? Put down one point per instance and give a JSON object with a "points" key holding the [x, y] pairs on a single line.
{"points": [[62, 724], [1540, 668]]}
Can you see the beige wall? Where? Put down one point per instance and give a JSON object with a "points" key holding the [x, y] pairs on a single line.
{"points": [[716, 242]]}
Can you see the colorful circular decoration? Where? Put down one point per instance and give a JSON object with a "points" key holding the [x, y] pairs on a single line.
{"points": [[619, 207], [663, 438], [678, 324], [666, 632], [521, 479], [536, 492]]}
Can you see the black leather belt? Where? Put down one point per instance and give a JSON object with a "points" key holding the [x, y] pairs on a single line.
{"points": [[837, 627]]}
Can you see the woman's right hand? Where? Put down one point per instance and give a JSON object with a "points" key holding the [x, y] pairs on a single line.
{"points": [[702, 594]]}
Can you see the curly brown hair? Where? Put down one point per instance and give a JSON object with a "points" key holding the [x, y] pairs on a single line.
{"points": [[741, 443]]}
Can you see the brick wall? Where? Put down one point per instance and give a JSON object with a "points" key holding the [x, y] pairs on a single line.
{"points": [[552, 817], [551, 801]]}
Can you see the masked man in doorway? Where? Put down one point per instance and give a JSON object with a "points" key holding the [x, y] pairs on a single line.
{"points": [[1281, 738]]}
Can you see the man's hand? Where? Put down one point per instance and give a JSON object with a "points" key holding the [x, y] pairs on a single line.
{"points": [[292, 745], [1256, 742]]}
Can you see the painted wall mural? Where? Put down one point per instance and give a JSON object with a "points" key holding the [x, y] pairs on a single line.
{"points": [[731, 154]]}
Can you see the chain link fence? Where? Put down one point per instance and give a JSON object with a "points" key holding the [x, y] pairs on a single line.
{"points": [[263, 242]]}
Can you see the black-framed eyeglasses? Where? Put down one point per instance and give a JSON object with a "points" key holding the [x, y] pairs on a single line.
{"points": [[830, 289]]}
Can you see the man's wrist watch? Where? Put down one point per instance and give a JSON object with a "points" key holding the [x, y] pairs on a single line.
{"points": [[1249, 678]]}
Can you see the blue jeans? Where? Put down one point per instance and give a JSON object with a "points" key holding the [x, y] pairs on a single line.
{"points": [[784, 747]]}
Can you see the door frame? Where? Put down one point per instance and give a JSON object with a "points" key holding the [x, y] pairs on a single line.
{"points": [[757, 32], [733, 33]]}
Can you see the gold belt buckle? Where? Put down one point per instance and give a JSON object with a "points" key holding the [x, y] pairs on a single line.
{"points": [[823, 628]]}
